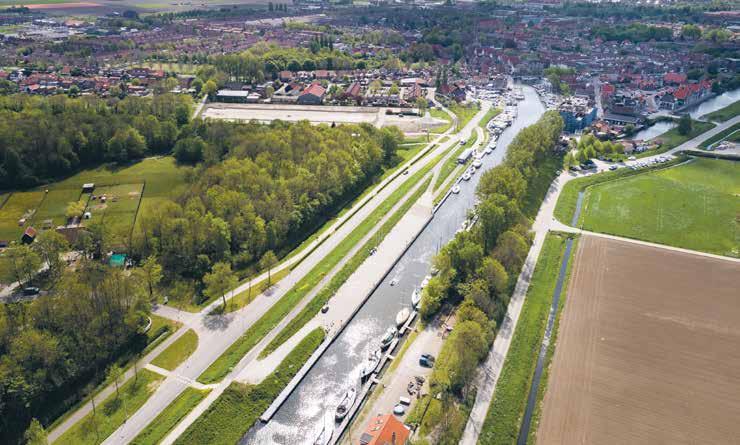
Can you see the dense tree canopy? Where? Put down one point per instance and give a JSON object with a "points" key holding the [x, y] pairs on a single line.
{"points": [[47, 138], [51, 344], [259, 188]]}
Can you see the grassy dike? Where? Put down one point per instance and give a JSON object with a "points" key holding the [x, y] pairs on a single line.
{"points": [[238, 408], [510, 397], [223, 365], [170, 417], [338, 280]]}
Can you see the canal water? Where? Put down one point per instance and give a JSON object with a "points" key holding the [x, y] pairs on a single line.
{"points": [[299, 418], [695, 112]]}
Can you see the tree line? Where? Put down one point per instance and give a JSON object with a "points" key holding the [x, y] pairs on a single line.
{"points": [[54, 346], [479, 268], [258, 189], [46, 138]]}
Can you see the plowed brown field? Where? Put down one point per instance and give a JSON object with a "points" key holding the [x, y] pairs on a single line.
{"points": [[648, 350]]}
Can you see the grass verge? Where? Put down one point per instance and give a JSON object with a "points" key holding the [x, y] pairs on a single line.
{"points": [[672, 138], [542, 388], [724, 114], [113, 412], [722, 135], [510, 397], [464, 113], [442, 115], [344, 273], [279, 310], [170, 417], [177, 352], [238, 408], [451, 164]]}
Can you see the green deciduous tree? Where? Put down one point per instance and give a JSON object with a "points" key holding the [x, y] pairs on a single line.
{"points": [[219, 281]]}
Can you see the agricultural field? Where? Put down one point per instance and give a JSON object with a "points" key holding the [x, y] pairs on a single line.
{"points": [[641, 355], [694, 206], [17, 206]]}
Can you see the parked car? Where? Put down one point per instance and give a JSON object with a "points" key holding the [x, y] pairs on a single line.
{"points": [[426, 360], [612, 167], [28, 291]]}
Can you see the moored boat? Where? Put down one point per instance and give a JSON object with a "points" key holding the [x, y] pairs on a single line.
{"points": [[324, 432], [371, 364], [346, 404], [416, 297], [402, 316], [387, 339]]}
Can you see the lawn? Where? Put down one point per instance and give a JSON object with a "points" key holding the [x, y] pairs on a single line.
{"points": [[170, 417], [113, 412], [118, 212], [734, 130], [287, 302], [694, 206], [442, 115], [464, 113], [510, 397], [54, 206], [724, 114], [17, 206], [239, 406], [672, 138], [177, 352], [568, 198]]}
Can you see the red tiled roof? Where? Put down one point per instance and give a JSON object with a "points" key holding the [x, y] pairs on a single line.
{"points": [[315, 89], [383, 430]]}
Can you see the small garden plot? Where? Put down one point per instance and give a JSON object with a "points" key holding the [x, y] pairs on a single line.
{"points": [[54, 207], [116, 206], [19, 205]]}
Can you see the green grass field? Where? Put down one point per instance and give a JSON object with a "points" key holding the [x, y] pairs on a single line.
{"points": [[566, 205], [440, 114], [177, 352], [113, 411], [672, 138], [510, 397], [694, 206], [170, 417], [724, 114], [722, 135], [17, 206], [238, 407]]}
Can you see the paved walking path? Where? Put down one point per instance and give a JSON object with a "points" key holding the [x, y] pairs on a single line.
{"points": [[110, 389], [217, 333], [490, 370]]}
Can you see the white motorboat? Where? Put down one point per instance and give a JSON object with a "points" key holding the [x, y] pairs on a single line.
{"points": [[371, 364], [466, 176], [425, 281], [402, 316], [456, 189], [346, 404], [488, 150], [324, 432], [387, 339], [416, 297], [477, 163]]}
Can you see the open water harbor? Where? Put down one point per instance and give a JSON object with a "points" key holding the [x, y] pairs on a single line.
{"points": [[313, 402]]}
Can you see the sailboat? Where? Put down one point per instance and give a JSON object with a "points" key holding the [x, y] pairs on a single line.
{"points": [[346, 404]]}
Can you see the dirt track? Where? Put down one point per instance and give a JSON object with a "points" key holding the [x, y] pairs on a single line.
{"points": [[648, 350]]}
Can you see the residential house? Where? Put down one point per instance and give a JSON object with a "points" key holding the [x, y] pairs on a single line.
{"points": [[385, 430], [313, 95]]}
